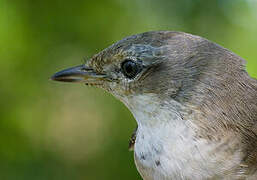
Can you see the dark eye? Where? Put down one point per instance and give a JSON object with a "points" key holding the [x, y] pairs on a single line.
{"points": [[130, 68]]}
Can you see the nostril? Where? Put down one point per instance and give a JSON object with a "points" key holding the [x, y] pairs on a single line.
{"points": [[85, 68]]}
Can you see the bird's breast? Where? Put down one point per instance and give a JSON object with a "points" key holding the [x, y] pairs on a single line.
{"points": [[171, 151], [161, 152], [167, 146]]}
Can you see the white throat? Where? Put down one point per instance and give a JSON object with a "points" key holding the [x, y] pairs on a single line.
{"points": [[165, 146]]}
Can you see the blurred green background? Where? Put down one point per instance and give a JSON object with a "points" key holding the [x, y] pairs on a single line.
{"points": [[57, 131]]}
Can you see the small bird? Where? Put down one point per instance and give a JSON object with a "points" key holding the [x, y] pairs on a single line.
{"points": [[194, 103]]}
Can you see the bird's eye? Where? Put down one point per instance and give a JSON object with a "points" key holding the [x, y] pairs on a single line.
{"points": [[130, 68]]}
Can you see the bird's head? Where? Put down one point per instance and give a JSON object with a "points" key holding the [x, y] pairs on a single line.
{"points": [[177, 86], [162, 67], [162, 63]]}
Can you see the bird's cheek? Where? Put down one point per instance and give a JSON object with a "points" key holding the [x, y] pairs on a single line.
{"points": [[119, 90], [114, 89]]}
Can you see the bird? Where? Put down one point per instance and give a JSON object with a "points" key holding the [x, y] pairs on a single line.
{"points": [[194, 103]]}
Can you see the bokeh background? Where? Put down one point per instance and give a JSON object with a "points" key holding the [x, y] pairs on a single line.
{"points": [[58, 131]]}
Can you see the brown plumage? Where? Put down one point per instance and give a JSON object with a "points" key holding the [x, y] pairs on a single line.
{"points": [[181, 81]]}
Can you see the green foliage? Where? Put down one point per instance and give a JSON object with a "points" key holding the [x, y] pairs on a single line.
{"points": [[58, 131]]}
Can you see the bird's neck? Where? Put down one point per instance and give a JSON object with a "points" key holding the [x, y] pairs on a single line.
{"points": [[150, 111], [165, 137]]}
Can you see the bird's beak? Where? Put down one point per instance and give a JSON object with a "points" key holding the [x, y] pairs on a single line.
{"points": [[78, 74]]}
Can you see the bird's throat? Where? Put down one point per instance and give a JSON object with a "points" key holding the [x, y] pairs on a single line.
{"points": [[166, 141], [150, 110]]}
